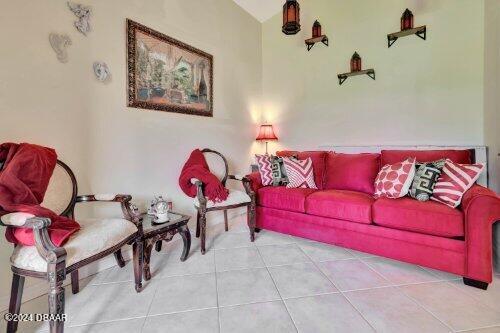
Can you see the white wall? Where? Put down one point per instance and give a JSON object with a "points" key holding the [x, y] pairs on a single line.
{"points": [[491, 89], [110, 147], [426, 92]]}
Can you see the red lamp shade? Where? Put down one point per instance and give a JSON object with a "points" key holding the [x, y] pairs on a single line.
{"points": [[291, 17], [266, 133], [407, 20]]}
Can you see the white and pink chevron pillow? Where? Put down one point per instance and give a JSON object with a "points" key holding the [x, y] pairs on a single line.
{"points": [[454, 181], [265, 169], [300, 173]]}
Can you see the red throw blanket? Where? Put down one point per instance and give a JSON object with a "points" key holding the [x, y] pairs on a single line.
{"points": [[24, 178], [196, 167]]}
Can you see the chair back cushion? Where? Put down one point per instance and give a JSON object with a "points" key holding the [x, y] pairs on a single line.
{"points": [[60, 192], [353, 172], [216, 164]]}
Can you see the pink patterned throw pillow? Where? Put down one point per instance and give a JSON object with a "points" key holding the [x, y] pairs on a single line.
{"points": [[394, 181], [454, 181], [265, 169], [300, 173]]}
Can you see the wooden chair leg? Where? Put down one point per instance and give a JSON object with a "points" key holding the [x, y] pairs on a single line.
{"points": [[75, 283], [56, 274], [119, 258], [251, 221], [203, 231], [226, 224], [198, 224], [16, 294]]}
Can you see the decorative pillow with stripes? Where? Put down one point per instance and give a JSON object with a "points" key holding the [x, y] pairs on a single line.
{"points": [[265, 169], [455, 180], [300, 173]]}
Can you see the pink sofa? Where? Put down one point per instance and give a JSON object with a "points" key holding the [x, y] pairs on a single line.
{"points": [[343, 212]]}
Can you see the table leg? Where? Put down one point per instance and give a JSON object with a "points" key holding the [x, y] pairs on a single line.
{"points": [[147, 258], [186, 238]]}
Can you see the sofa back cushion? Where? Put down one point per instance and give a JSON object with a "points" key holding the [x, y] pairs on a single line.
{"points": [[353, 172], [395, 156], [318, 160]]}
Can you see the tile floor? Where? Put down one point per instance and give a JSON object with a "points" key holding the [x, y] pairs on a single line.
{"points": [[277, 284]]}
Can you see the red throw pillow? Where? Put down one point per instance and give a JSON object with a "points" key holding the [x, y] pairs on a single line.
{"points": [[300, 173], [394, 181], [354, 172], [265, 169], [454, 181]]}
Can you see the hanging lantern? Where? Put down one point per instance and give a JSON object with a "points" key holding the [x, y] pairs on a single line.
{"points": [[291, 17], [316, 29], [355, 62], [407, 20]]}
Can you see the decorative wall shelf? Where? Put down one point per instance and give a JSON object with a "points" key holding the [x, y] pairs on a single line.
{"points": [[311, 41], [419, 31], [344, 76]]}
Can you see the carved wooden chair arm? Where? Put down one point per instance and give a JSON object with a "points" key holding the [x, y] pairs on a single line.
{"points": [[129, 210], [246, 183], [47, 250], [199, 192]]}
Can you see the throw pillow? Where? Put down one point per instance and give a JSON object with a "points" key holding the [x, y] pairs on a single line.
{"points": [[300, 173], [279, 173], [455, 180], [265, 169], [426, 177], [394, 180]]}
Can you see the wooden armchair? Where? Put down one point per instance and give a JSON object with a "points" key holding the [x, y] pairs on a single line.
{"points": [[235, 199], [97, 238]]}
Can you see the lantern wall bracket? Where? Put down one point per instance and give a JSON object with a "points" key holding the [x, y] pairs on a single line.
{"points": [[311, 41], [419, 31], [344, 76]]}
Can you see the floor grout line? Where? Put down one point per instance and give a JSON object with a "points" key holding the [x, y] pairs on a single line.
{"points": [[217, 294], [340, 291], [279, 293]]}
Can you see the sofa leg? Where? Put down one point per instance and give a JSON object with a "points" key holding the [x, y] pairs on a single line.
{"points": [[257, 229], [476, 283]]}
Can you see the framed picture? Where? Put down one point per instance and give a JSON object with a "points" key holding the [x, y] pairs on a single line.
{"points": [[165, 74]]}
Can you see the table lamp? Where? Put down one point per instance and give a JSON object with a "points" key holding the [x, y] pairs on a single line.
{"points": [[266, 134]]}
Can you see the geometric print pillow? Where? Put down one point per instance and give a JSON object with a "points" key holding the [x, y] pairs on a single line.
{"points": [[394, 181], [455, 180], [426, 177], [278, 171], [265, 169], [300, 173]]}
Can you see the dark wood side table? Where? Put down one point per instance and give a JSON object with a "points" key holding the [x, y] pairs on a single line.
{"points": [[154, 234]]}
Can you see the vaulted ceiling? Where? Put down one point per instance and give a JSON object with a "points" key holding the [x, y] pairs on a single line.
{"points": [[262, 10]]}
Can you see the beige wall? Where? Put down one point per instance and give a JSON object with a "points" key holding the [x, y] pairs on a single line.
{"points": [[426, 92], [110, 147], [491, 90]]}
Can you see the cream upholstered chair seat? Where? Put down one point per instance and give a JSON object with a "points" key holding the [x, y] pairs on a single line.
{"points": [[94, 237], [235, 197]]}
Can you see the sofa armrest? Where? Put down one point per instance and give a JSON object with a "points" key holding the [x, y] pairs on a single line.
{"points": [[255, 181], [481, 208]]}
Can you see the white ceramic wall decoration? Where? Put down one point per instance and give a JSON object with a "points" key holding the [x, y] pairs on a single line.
{"points": [[83, 14], [59, 43], [101, 71]]}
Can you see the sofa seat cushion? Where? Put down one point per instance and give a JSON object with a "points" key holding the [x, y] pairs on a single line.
{"points": [[280, 197], [427, 217], [340, 204], [95, 236]]}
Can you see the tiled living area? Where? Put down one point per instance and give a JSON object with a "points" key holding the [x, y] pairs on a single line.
{"points": [[277, 284]]}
